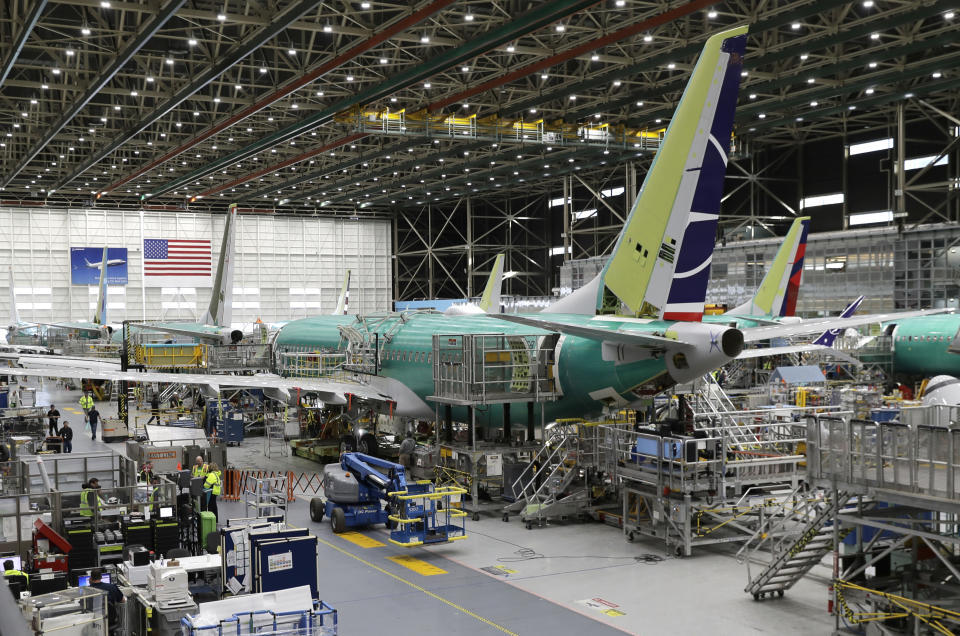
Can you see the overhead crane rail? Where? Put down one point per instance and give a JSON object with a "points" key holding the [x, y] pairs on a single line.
{"points": [[497, 129]]}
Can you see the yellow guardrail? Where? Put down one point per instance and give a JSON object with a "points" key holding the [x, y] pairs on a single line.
{"points": [[167, 356], [930, 615], [438, 493]]}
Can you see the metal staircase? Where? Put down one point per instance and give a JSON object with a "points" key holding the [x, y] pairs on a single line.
{"points": [[171, 389], [712, 402], [543, 485], [798, 537]]}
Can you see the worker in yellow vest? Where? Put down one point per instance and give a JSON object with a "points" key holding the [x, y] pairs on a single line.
{"points": [[200, 469], [86, 402], [90, 498], [9, 571], [212, 487]]}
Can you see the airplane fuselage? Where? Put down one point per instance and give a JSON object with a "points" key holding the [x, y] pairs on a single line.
{"points": [[920, 345], [588, 373], [110, 263]]}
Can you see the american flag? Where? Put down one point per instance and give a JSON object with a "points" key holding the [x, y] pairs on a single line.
{"points": [[163, 257]]}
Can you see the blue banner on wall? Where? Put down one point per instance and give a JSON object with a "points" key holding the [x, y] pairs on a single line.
{"points": [[85, 265]]}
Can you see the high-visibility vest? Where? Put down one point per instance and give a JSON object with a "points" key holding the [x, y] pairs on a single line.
{"points": [[86, 402], [212, 482], [199, 471], [8, 573], [85, 508]]}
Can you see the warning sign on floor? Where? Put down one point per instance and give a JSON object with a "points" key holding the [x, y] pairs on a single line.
{"points": [[498, 570], [603, 606]]}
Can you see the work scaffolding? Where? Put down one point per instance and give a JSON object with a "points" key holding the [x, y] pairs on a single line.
{"points": [[473, 371], [888, 510], [910, 471]]}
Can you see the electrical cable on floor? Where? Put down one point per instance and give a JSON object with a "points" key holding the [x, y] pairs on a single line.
{"points": [[529, 554]]}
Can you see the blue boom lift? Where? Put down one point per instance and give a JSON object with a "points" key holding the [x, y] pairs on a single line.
{"points": [[364, 490]]}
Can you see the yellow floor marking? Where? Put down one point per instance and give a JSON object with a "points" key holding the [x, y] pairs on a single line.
{"points": [[417, 565], [459, 608], [361, 540]]}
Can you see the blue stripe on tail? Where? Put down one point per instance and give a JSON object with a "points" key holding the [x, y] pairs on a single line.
{"points": [[692, 272], [828, 337]]}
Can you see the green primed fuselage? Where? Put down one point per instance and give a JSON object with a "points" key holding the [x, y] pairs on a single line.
{"points": [[920, 345], [585, 379]]}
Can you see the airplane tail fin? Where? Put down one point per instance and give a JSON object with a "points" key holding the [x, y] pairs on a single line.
{"points": [[828, 337], [777, 293], [343, 301], [14, 314], [100, 317], [220, 311], [661, 262], [490, 301]]}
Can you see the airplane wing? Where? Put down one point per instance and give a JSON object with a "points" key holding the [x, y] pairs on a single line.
{"points": [[205, 337], [762, 352], [330, 392], [67, 362], [73, 326], [634, 339], [753, 334]]}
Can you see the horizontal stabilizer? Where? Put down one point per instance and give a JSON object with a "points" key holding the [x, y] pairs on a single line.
{"points": [[755, 334], [763, 352], [635, 339]]}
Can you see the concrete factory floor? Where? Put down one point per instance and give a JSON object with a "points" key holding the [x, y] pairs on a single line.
{"points": [[561, 579]]}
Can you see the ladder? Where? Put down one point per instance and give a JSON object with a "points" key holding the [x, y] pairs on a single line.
{"points": [[543, 484], [798, 537], [275, 434], [714, 403], [167, 393]]}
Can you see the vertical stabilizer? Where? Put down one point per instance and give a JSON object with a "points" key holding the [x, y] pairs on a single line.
{"points": [[661, 263], [490, 301], [14, 314], [100, 316], [828, 337], [220, 311], [343, 302], [777, 294]]}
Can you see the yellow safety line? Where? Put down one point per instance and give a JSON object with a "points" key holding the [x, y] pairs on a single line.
{"points": [[459, 608]]}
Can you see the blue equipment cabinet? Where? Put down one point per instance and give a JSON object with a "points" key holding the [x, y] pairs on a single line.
{"points": [[223, 419]]}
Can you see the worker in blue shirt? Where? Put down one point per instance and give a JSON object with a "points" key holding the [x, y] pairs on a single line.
{"points": [[114, 595]]}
